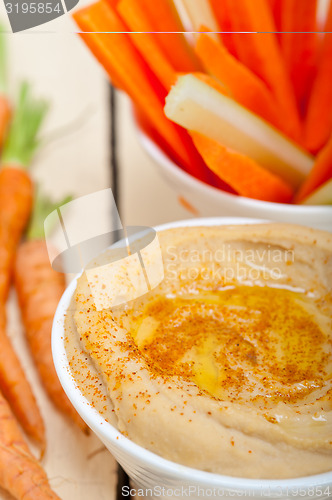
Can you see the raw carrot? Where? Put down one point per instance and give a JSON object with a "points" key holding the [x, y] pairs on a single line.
{"points": [[318, 123], [5, 108], [246, 176], [16, 193], [260, 51], [321, 172], [120, 59], [221, 11], [164, 18], [39, 289], [244, 86], [299, 44], [16, 190], [276, 9], [131, 12], [172, 43], [16, 389], [20, 473]]}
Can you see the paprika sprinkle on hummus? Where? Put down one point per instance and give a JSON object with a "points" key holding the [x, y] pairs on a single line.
{"points": [[226, 365]]}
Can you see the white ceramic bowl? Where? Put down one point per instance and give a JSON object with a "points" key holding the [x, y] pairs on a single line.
{"points": [[212, 202], [152, 472]]}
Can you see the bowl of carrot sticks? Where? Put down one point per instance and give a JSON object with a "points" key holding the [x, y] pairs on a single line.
{"points": [[240, 105]]}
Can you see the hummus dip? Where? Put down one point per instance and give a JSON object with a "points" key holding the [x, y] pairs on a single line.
{"points": [[226, 366]]}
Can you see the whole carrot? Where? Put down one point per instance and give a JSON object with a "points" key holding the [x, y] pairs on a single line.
{"points": [[16, 195], [20, 473], [39, 289]]}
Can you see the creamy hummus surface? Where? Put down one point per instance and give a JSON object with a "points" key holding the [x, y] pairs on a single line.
{"points": [[225, 366]]}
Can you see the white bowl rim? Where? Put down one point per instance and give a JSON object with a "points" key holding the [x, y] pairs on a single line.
{"points": [[155, 152], [108, 432]]}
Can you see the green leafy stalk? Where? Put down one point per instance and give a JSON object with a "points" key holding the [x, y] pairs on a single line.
{"points": [[3, 61], [23, 137], [43, 206]]}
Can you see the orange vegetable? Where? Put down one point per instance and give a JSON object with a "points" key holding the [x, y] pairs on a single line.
{"points": [[39, 289], [321, 172], [244, 86], [20, 473], [16, 193], [318, 124], [222, 14], [276, 9], [16, 388], [122, 62], [261, 53], [299, 44], [242, 173], [132, 14], [15, 208], [172, 43]]}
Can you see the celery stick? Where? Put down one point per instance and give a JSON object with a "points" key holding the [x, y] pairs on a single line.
{"points": [[200, 14], [321, 196], [195, 105]]}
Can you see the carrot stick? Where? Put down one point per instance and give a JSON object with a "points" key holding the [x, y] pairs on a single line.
{"points": [[299, 44], [173, 43], [321, 172], [130, 11], [20, 473], [276, 9], [242, 173], [39, 289], [120, 59], [318, 123], [221, 12], [262, 54], [244, 86], [5, 108], [15, 207]]}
